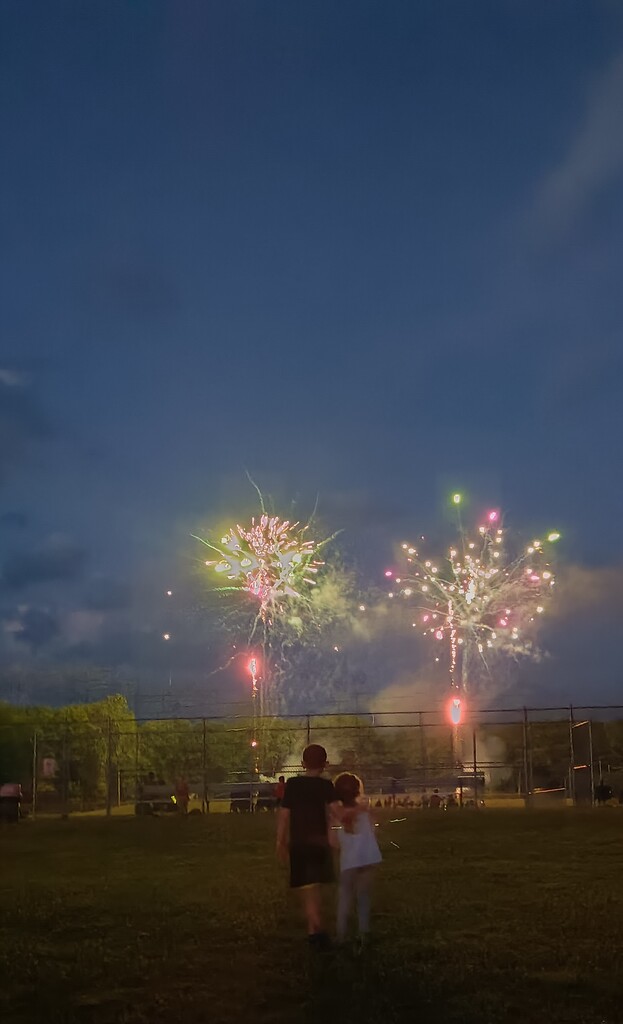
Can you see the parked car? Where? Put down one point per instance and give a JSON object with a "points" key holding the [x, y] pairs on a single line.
{"points": [[10, 802], [155, 797]]}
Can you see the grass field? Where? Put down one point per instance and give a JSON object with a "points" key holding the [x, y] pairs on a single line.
{"points": [[480, 918]]}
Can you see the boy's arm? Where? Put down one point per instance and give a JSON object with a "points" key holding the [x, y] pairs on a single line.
{"points": [[334, 822], [334, 813]]}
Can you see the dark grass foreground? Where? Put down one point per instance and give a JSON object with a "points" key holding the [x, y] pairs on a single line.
{"points": [[481, 918]]}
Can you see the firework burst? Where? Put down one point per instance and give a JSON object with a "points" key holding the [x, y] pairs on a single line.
{"points": [[270, 560], [272, 564], [480, 601]]}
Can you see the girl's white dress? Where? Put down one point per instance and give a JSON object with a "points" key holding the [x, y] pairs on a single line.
{"points": [[359, 848]]}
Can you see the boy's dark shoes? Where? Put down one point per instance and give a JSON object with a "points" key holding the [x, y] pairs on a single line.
{"points": [[319, 941]]}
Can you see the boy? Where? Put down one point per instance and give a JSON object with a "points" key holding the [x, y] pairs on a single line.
{"points": [[308, 806]]}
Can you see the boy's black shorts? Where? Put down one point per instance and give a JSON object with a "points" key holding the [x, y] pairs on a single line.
{"points": [[310, 865]]}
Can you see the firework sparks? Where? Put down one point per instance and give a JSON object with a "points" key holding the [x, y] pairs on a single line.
{"points": [[478, 601], [269, 567], [270, 560]]}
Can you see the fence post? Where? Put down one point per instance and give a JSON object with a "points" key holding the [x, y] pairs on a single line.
{"points": [[526, 760], [308, 730], [423, 751], [590, 745], [35, 760], [571, 756], [204, 753], [65, 778], [137, 744], [109, 771], [475, 756]]}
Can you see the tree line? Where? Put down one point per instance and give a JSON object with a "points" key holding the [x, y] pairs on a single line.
{"points": [[80, 748]]}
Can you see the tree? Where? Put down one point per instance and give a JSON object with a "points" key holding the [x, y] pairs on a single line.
{"points": [[15, 745]]}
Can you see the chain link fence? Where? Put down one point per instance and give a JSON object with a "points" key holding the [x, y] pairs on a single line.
{"points": [[527, 755]]}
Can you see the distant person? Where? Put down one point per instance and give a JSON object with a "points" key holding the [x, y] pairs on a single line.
{"points": [[435, 801], [182, 795], [280, 790], [603, 793], [425, 800], [309, 805], [359, 855], [451, 801], [393, 790], [266, 799]]}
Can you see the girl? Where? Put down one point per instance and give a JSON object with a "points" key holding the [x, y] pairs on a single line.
{"points": [[359, 853]]}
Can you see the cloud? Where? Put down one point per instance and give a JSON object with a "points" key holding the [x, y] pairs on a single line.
{"points": [[583, 592], [115, 647], [593, 160], [39, 628], [581, 637], [82, 626], [587, 382], [409, 691], [11, 378], [22, 422], [15, 520], [33, 627], [136, 289], [107, 595], [57, 560], [359, 508]]}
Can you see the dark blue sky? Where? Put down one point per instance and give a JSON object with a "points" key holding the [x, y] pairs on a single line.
{"points": [[371, 250]]}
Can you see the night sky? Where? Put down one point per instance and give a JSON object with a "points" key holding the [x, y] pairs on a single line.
{"points": [[365, 250]]}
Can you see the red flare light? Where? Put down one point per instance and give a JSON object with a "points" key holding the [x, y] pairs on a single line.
{"points": [[455, 709]]}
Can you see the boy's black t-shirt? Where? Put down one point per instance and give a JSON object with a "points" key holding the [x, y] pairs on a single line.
{"points": [[306, 798]]}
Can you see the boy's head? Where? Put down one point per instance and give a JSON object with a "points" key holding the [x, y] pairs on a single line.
{"points": [[314, 758]]}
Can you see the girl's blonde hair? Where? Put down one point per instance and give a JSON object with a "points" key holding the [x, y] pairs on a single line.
{"points": [[347, 788]]}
